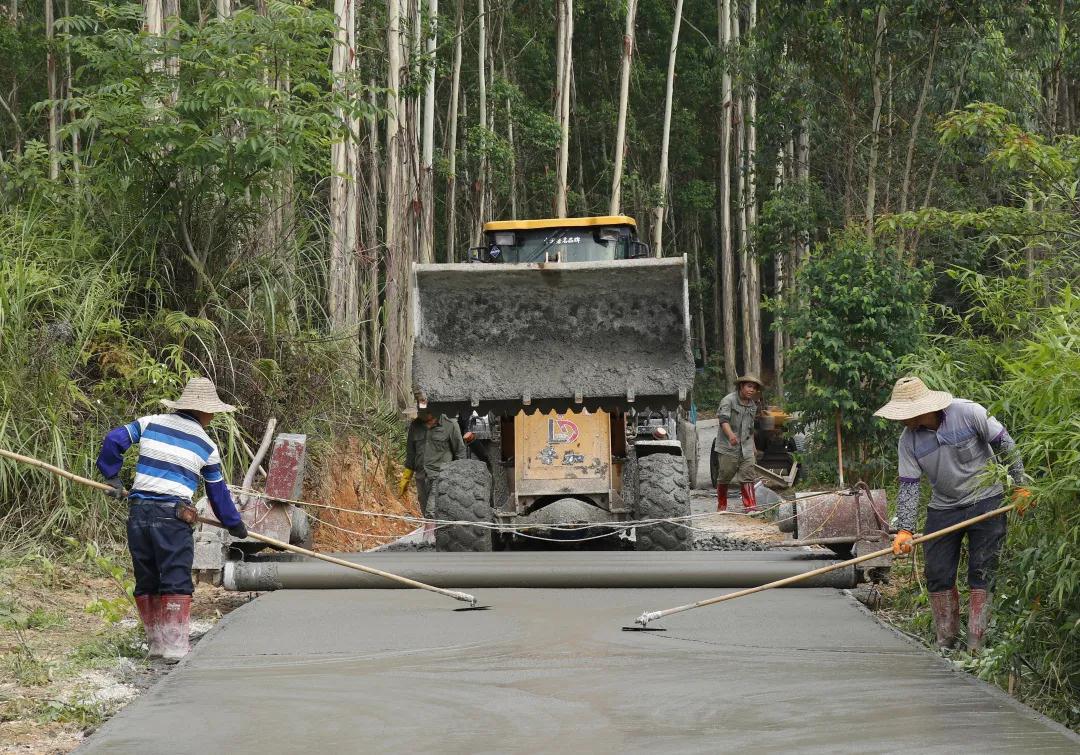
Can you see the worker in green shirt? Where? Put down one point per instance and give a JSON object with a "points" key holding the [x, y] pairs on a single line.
{"points": [[735, 442], [433, 441]]}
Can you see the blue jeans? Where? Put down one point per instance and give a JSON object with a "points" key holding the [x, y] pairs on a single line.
{"points": [[984, 542], [162, 549]]}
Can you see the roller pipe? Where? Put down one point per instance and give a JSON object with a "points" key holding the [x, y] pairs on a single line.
{"points": [[541, 570]]}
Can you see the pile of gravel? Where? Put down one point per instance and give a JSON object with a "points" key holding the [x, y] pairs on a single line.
{"points": [[723, 542]]}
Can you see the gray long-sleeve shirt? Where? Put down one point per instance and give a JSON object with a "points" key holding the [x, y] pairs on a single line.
{"points": [[953, 458]]}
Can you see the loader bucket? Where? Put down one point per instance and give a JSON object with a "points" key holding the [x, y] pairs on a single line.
{"points": [[553, 336]]}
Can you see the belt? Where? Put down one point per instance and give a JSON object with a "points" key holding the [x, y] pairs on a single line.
{"points": [[136, 496]]}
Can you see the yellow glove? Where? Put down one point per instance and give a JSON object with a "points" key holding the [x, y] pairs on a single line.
{"points": [[1023, 500], [901, 544], [405, 477]]}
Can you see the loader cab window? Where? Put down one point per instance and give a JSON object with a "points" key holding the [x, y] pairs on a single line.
{"points": [[563, 244]]}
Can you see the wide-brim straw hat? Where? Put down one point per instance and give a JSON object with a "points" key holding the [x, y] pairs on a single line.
{"points": [[911, 398], [750, 378], [199, 395]]}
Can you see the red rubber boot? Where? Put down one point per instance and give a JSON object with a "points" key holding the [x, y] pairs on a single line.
{"points": [[978, 618], [749, 498], [150, 612], [945, 607], [721, 497], [175, 620]]}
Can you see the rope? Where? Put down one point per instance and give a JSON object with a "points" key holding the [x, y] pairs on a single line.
{"points": [[522, 529]]}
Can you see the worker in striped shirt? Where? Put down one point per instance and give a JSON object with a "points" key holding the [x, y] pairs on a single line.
{"points": [[174, 453]]}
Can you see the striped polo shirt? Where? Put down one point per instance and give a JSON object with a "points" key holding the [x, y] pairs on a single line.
{"points": [[174, 452]]}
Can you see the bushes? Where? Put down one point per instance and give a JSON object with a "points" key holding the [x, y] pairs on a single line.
{"points": [[861, 310], [80, 353]]}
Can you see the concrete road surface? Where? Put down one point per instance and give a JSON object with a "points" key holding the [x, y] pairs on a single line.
{"points": [[550, 671]]}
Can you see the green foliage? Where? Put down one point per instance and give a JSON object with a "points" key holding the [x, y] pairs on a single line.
{"points": [[1014, 345], [861, 311]]}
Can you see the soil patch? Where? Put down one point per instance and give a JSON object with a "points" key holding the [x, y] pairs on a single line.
{"points": [[357, 478]]}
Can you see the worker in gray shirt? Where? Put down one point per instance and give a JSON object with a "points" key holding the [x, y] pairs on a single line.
{"points": [[735, 442], [951, 441], [433, 441]]}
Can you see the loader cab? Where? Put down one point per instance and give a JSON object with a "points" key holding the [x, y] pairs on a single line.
{"points": [[606, 238]]}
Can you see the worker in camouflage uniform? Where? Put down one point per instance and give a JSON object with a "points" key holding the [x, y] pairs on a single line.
{"points": [[735, 442], [951, 441], [433, 441]]}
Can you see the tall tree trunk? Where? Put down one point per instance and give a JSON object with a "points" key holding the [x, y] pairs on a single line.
{"points": [[342, 283], [481, 175], [726, 268], [13, 98], [54, 110], [695, 251], [68, 84], [665, 140], [916, 121], [754, 268], [566, 45], [510, 141], [740, 210], [802, 175], [615, 206], [397, 266], [171, 11], [224, 9], [427, 163], [875, 128], [371, 243], [451, 142], [779, 274]]}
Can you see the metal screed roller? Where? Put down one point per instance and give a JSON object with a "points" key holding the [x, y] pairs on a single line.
{"points": [[465, 597], [552, 336]]}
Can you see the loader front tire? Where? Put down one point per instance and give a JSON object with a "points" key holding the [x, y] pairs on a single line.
{"points": [[662, 492], [462, 493]]}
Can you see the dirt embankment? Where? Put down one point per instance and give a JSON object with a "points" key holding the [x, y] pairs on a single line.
{"points": [[356, 477], [72, 651]]}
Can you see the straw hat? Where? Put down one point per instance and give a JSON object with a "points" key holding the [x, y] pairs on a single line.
{"points": [[750, 378], [911, 398], [200, 396]]}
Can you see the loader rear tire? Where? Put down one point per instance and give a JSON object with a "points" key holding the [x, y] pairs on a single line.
{"points": [[462, 493], [662, 492]]}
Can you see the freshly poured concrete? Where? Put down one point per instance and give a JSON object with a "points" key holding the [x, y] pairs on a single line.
{"points": [[542, 569], [550, 670]]}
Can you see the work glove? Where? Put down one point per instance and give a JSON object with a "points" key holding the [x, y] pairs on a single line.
{"points": [[405, 477], [239, 531], [901, 544], [117, 488], [1021, 497]]}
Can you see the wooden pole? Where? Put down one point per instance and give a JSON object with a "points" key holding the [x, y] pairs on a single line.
{"points": [[465, 597], [839, 449], [648, 616]]}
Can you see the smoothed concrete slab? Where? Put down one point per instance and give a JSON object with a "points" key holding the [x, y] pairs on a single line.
{"points": [[551, 670]]}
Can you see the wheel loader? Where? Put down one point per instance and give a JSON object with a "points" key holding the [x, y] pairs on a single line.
{"points": [[565, 346]]}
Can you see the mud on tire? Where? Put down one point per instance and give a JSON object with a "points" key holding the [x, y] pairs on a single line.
{"points": [[662, 492], [462, 492]]}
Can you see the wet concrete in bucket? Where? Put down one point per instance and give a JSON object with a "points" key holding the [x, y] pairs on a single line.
{"points": [[551, 670]]}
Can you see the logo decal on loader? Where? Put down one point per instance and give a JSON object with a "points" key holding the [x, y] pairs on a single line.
{"points": [[562, 431]]}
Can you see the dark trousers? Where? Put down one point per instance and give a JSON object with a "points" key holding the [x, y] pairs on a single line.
{"points": [[984, 541], [162, 549]]}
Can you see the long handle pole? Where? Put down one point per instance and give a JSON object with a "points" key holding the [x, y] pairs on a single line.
{"points": [[465, 597], [648, 616]]}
